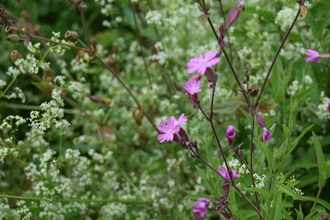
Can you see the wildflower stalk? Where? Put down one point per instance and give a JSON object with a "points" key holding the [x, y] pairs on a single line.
{"points": [[83, 18], [228, 61], [224, 19], [141, 46], [233, 185], [126, 88], [277, 53], [251, 161]]}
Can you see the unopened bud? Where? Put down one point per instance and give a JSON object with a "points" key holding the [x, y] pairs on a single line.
{"points": [[25, 30], [13, 38], [260, 121], [72, 36], [13, 30], [4, 14], [25, 15], [233, 16], [230, 134], [15, 55], [254, 90]]}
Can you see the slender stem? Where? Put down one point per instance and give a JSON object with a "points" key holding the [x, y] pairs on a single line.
{"points": [[9, 85], [224, 18], [55, 42], [126, 88], [276, 55], [83, 18], [235, 187], [251, 160], [141, 46], [229, 62], [255, 208]]}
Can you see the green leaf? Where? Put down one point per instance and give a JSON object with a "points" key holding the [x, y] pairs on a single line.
{"points": [[265, 193], [267, 151], [286, 131], [287, 149], [203, 19], [290, 192], [320, 161], [300, 214], [206, 180], [197, 196], [304, 94], [322, 202]]}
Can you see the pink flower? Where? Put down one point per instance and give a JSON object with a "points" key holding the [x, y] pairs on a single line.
{"points": [[200, 63], [225, 174], [313, 55], [193, 86], [200, 209], [171, 127], [230, 134], [266, 135]]}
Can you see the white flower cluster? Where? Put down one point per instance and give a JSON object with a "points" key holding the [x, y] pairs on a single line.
{"points": [[259, 180], [153, 17], [293, 51], [285, 17], [322, 109], [294, 88], [9, 121]]}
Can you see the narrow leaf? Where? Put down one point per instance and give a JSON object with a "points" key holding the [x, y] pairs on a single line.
{"points": [[203, 19], [320, 161], [290, 192]]}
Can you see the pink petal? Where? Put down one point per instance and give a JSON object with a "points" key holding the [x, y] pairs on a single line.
{"points": [[210, 54], [213, 62], [192, 69], [310, 59]]}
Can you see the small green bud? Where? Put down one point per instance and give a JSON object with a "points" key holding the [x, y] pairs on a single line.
{"points": [[13, 38], [72, 36]]}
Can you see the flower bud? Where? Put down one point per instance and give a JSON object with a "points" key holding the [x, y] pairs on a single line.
{"points": [[72, 36], [13, 30], [211, 76], [15, 55], [25, 30], [13, 38], [4, 14], [25, 15], [230, 134], [233, 16], [254, 90], [260, 121]]}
